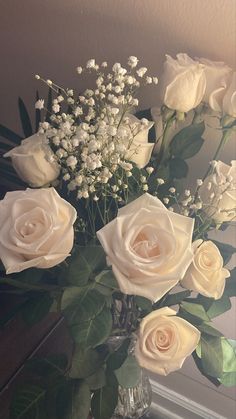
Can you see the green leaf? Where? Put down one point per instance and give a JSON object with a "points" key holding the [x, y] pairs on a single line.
{"points": [[228, 379], [198, 363], [10, 135], [208, 329], [229, 355], [26, 402], [178, 168], [80, 305], [219, 306], [187, 142], [107, 279], [93, 332], [211, 355], [25, 119], [96, 380], [49, 366], [117, 358], [85, 363], [143, 303], [129, 374], [173, 299], [230, 285], [196, 310], [37, 308], [85, 261], [226, 250], [73, 401], [104, 401]]}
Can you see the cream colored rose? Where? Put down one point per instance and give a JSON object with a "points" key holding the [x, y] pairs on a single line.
{"points": [[165, 341], [149, 247], [229, 100], [206, 273], [33, 161], [218, 193], [135, 135], [36, 229], [183, 83], [217, 81]]}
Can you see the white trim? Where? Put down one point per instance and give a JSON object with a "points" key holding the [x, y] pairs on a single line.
{"points": [[182, 401]]}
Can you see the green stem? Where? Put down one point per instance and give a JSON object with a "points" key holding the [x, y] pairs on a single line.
{"points": [[224, 139], [164, 144]]}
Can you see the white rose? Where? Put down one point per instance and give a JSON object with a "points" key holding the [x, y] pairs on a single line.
{"points": [[139, 150], [165, 341], [36, 229], [229, 100], [221, 207], [33, 161], [183, 83], [217, 80], [206, 274], [149, 247]]}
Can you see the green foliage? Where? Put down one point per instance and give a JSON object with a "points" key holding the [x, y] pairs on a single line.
{"points": [[129, 374], [118, 357], [226, 250], [105, 399], [73, 400], [51, 365], [93, 332], [187, 142], [81, 304], [84, 263], [195, 313], [36, 308], [178, 168], [230, 286], [10, 135], [27, 402], [96, 380], [85, 362]]}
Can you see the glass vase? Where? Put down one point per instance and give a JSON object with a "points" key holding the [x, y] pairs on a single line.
{"points": [[133, 402]]}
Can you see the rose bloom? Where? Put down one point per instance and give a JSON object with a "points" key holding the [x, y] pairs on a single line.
{"points": [[165, 341], [148, 247], [36, 229], [217, 81], [222, 206], [31, 161], [206, 273], [183, 83], [229, 100], [139, 150]]}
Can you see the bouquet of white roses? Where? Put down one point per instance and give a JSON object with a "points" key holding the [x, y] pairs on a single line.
{"points": [[104, 233]]}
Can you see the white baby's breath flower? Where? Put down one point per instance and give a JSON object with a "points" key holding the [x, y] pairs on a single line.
{"points": [[91, 63], [56, 107], [199, 182], [148, 80], [132, 61], [155, 80], [71, 161], [39, 104], [160, 181], [49, 82], [104, 64], [145, 187], [172, 190], [149, 170], [166, 200], [141, 71], [79, 70]]}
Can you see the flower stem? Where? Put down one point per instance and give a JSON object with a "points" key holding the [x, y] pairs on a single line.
{"points": [[164, 144], [223, 141]]}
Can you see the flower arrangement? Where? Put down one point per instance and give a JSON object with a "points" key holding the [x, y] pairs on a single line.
{"points": [[106, 235]]}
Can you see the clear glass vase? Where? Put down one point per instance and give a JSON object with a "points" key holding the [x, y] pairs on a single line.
{"points": [[133, 402]]}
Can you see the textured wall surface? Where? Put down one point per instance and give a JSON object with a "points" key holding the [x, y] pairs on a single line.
{"points": [[52, 37]]}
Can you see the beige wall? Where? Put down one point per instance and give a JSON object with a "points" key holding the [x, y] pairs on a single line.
{"points": [[52, 37]]}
